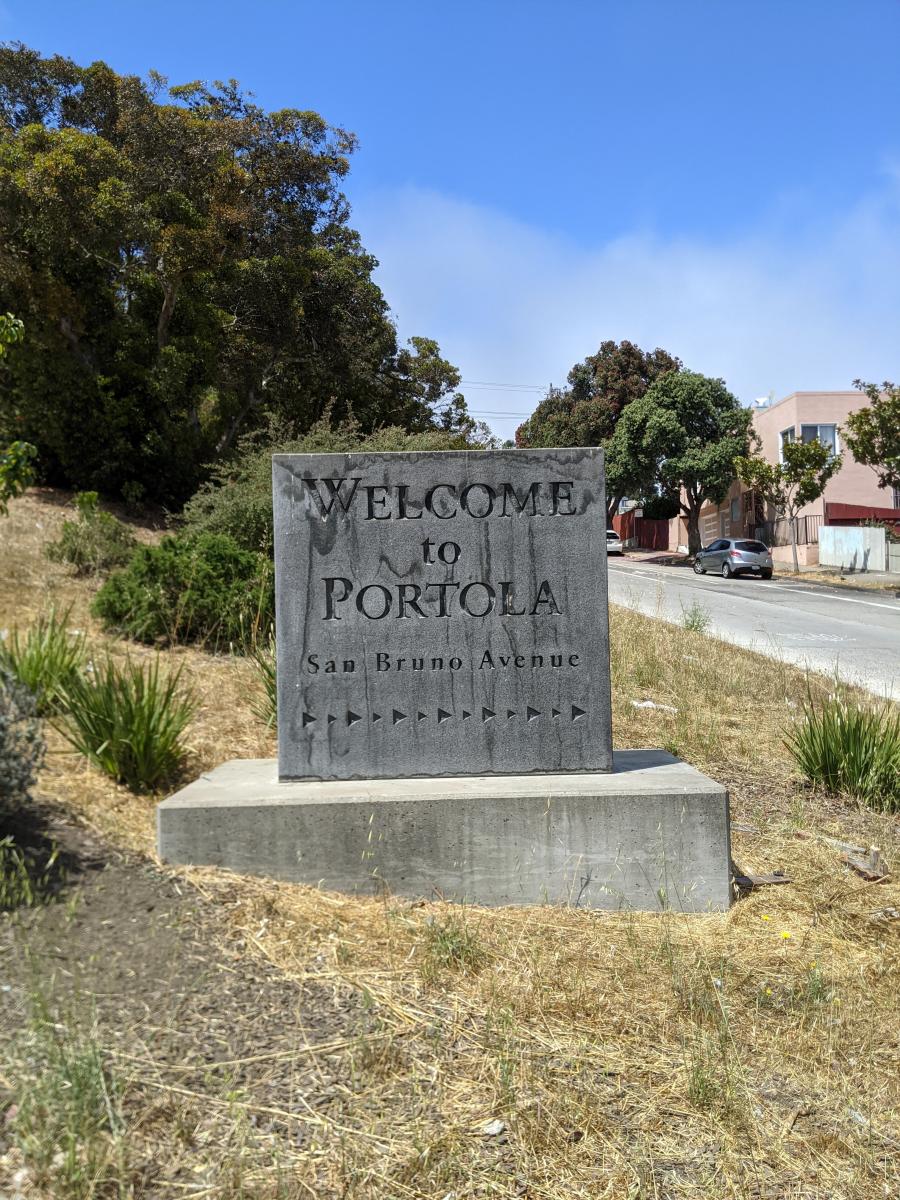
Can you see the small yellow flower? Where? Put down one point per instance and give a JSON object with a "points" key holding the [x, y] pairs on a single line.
{"points": [[812, 966], [765, 917], [785, 933], [768, 991]]}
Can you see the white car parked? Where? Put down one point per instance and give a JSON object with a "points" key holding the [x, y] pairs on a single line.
{"points": [[614, 543]]}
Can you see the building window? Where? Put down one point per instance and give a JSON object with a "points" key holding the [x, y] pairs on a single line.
{"points": [[897, 497], [786, 436], [735, 510], [826, 434]]}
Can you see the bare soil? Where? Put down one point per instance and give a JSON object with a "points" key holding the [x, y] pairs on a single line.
{"points": [[147, 964]]}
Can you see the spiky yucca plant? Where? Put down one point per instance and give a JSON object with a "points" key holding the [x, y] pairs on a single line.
{"points": [[128, 720], [848, 747]]}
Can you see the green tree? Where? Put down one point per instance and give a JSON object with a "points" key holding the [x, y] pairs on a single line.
{"points": [[185, 265], [680, 439], [237, 499], [586, 412], [16, 459], [873, 433], [791, 484]]}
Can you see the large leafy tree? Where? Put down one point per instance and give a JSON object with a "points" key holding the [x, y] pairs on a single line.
{"points": [[184, 264], [586, 412], [793, 483], [16, 459], [680, 440], [873, 432]]}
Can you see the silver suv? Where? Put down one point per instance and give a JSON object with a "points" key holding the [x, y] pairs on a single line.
{"points": [[735, 556]]}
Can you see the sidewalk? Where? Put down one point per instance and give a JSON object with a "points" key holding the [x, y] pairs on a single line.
{"points": [[660, 558]]}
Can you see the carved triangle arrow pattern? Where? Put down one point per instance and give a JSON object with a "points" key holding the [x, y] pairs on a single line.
{"points": [[487, 714]]}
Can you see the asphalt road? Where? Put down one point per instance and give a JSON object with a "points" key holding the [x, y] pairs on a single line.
{"points": [[857, 634]]}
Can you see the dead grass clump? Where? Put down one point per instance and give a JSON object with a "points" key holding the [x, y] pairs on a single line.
{"points": [[697, 1056]]}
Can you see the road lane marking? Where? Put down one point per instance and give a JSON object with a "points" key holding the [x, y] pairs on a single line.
{"points": [[655, 572], [846, 600]]}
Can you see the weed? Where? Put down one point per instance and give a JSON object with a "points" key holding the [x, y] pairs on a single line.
{"points": [[696, 618], [501, 1037], [450, 945], [704, 1086], [45, 659], [68, 1121], [95, 542], [25, 880], [264, 662], [797, 810], [808, 993], [849, 747], [816, 988], [128, 721]]}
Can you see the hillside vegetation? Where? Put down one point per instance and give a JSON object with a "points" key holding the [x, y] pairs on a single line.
{"points": [[540, 1052]]}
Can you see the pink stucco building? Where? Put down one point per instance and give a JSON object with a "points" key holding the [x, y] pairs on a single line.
{"points": [[801, 416]]}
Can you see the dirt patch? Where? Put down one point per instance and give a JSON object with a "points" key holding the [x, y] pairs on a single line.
{"points": [[189, 1020]]}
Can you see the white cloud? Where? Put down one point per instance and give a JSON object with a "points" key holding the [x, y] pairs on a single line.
{"points": [[795, 305]]}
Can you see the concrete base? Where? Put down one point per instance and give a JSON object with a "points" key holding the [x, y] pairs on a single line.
{"points": [[652, 834]]}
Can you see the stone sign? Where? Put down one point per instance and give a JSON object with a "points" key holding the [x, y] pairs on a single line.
{"points": [[441, 613]]}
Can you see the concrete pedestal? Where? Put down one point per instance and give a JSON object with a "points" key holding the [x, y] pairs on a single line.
{"points": [[654, 833]]}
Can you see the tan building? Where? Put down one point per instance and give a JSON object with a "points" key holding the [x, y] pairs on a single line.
{"points": [[852, 495]]}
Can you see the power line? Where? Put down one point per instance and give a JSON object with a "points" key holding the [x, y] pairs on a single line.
{"points": [[504, 387], [484, 412]]}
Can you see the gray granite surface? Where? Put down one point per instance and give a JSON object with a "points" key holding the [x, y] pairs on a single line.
{"points": [[441, 614]]}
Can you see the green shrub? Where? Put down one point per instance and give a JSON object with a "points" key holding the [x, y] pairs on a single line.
{"points": [[93, 543], [16, 472], [45, 659], [128, 721], [22, 745], [238, 499], [849, 748], [263, 658], [201, 588]]}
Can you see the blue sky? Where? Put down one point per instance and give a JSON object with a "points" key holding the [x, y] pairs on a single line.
{"points": [[718, 177]]}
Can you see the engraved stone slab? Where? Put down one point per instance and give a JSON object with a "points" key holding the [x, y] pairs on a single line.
{"points": [[441, 613]]}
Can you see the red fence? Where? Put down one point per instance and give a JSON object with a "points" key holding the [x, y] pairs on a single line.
{"points": [[649, 535]]}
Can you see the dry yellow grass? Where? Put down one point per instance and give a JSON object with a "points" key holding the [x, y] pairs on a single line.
{"points": [[751, 1054]]}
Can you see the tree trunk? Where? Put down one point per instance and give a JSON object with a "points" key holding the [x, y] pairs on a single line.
{"points": [[693, 527], [170, 293], [794, 545], [226, 441], [612, 506]]}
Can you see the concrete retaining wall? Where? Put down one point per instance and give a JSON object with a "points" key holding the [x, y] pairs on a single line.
{"points": [[853, 547]]}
